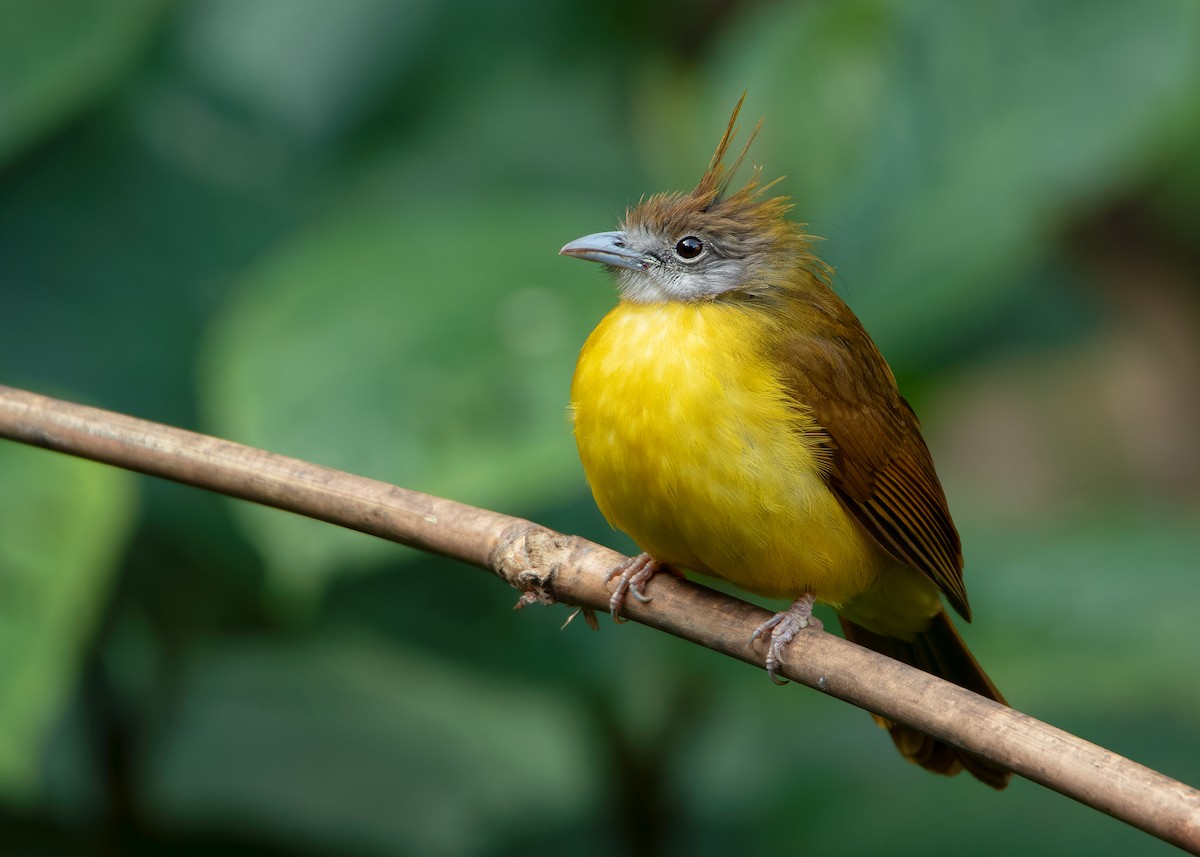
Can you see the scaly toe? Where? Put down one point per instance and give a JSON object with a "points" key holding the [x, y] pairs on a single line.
{"points": [[774, 659], [637, 593], [633, 574], [783, 628], [767, 626]]}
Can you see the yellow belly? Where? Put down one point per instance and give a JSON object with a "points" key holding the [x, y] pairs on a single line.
{"points": [[692, 447]]}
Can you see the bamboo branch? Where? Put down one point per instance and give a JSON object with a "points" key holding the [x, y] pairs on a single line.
{"points": [[549, 567]]}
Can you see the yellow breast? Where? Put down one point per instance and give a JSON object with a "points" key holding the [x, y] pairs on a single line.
{"points": [[693, 448]]}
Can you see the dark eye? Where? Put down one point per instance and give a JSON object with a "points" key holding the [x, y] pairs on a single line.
{"points": [[689, 248]]}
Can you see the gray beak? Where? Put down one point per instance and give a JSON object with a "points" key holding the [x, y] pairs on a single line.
{"points": [[607, 248]]}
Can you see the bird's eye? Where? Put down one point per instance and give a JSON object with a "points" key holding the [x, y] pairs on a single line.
{"points": [[689, 248]]}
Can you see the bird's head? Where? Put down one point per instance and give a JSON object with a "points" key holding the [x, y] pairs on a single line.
{"points": [[707, 244]]}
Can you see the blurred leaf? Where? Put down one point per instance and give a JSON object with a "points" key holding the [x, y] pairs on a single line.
{"points": [[939, 145], [833, 760], [427, 342], [65, 522], [248, 51], [346, 742], [1106, 598], [58, 57], [114, 253]]}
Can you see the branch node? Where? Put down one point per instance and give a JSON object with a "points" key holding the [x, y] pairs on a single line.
{"points": [[529, 557]]}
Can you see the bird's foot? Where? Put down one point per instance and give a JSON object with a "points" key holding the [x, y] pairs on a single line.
{"points": [[634, 573], [784, 627]]}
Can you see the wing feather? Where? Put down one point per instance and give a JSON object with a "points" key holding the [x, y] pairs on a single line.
{"points": [[880, 466]]}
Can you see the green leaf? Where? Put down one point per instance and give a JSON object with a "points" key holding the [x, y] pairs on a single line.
{"points": [[1108, 599], [424, 342], [344, 741], [248, 52], [58, 57], [63, 523]]}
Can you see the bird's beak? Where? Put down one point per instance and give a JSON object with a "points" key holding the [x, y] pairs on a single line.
{"points": [[607, 248]]}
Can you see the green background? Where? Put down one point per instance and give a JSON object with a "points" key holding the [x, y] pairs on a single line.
{"points": [[330, 230]]}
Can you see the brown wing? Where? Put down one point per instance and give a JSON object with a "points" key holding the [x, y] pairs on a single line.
{"points": [[880, 466]]}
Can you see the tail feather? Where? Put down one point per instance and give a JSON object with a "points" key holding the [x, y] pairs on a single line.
{"points": [[941, 651]]}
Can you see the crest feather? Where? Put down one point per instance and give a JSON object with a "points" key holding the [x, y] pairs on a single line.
{"points": [[714, 184], [740, 224]]}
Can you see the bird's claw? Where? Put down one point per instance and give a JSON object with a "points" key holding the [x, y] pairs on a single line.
{"points": [[783, 628], [633, 574]]}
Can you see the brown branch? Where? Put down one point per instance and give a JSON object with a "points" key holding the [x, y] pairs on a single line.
{"points": [[549, 567]]}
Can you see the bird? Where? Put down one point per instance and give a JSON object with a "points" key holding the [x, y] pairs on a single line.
{"points": [[734, 418]]}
